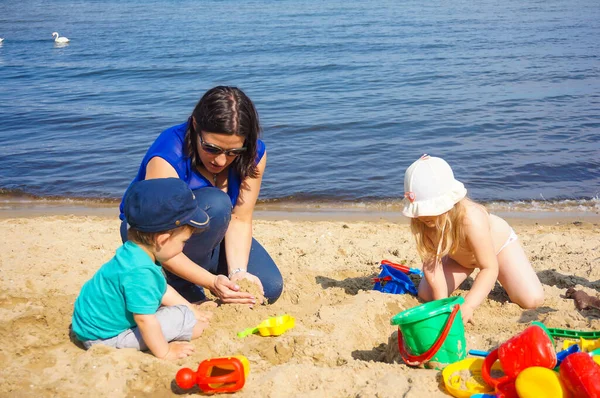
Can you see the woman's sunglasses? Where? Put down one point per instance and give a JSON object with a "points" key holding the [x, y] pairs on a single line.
{"points": [[215, 149]]}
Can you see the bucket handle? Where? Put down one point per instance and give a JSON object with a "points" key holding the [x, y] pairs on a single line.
{"points": [[487, 366], [416, 360]]}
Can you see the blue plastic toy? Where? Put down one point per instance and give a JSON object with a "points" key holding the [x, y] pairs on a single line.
{"points": [[392, 280], [478, 353], [560, 356], [403, 268]]}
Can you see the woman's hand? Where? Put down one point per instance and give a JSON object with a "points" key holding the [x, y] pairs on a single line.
{"points": [[248, 276], [229, 292]]}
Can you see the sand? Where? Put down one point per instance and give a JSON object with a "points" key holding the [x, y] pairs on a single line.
{"points": [[342, 345]]}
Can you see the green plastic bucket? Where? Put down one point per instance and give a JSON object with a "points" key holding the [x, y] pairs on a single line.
{"points": [[432, 334]]}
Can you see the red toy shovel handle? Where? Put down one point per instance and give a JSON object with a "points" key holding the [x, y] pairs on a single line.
{"points": [[416, 360], [487, 367], [399, 267]]}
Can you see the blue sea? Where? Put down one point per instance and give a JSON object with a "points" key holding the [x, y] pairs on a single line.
{"points": [[349, 93]]}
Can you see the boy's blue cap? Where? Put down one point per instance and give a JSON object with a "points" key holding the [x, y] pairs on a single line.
{"points": [[162, 204]]}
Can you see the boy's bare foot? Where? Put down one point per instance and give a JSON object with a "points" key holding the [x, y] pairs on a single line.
{"points": [[200, 327], [203, 316], [206, 303]]}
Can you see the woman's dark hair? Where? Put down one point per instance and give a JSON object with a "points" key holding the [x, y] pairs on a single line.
{"points": [[226, 110]]}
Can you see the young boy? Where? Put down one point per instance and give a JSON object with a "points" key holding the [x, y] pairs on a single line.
{"points": [[127, 303]]}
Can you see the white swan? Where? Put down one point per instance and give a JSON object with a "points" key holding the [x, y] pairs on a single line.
{"points": [[1, 39], [59, 39]]}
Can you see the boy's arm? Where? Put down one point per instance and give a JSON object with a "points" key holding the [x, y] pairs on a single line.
{"points": [[478, 236], [172, 297], [220, 285], [155, 340]]}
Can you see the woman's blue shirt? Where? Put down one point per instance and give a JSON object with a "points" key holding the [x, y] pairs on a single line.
{"points": [[170, 146]]}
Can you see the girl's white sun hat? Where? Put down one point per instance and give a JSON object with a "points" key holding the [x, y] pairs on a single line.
{"points": [[430, 188]]}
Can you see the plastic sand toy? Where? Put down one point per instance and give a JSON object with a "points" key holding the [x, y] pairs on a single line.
{"points": [[403, 268], [432, 333], [537, 382], [569, 334], [463, 378], [532, 347], [274, 326], [580, 375], [585, 344], [393, 278], [215, 375]]}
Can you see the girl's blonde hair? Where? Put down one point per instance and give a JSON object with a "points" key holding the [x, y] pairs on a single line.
{"points": [[449, 233]]}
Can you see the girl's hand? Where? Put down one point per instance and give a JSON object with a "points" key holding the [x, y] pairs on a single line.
{"points": [[467, 314], [178, 350], [229, 292]]}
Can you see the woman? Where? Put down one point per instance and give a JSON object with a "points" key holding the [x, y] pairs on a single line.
{"points": [[218, 154]]}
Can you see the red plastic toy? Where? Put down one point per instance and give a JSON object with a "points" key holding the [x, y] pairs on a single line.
{"points": [[216, 375], [506, 389], [581, 375], [532, 347], [402, 268], [185, 378]]}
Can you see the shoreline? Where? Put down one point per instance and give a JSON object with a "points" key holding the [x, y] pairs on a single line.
{"points": [[269, 212]]}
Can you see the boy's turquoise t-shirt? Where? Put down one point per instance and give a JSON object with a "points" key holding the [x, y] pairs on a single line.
{"points": [[129, 283]]}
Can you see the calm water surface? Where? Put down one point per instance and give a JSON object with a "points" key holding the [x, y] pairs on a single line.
{"points": [[349, 93]]}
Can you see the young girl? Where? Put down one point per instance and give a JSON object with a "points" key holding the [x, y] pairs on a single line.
{"points": [[455, 235]]}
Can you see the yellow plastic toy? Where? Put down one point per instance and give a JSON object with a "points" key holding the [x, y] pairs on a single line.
{"points": [[538, 382], [274, 326], [463, 378], [585, 344]]}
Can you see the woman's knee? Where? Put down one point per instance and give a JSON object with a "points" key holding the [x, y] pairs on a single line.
{"points": [[273, 289], [216, 203], [261, 264]]}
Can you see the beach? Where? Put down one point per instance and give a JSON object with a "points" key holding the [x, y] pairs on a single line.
{"points": [[348, 95], [342, 344]]}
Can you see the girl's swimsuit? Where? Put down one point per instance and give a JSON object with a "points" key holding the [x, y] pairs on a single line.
{"points": [[512, 236], [170, 146]]}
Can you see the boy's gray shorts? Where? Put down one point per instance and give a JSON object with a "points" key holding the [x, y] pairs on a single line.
{"points": [[177, 323]]}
